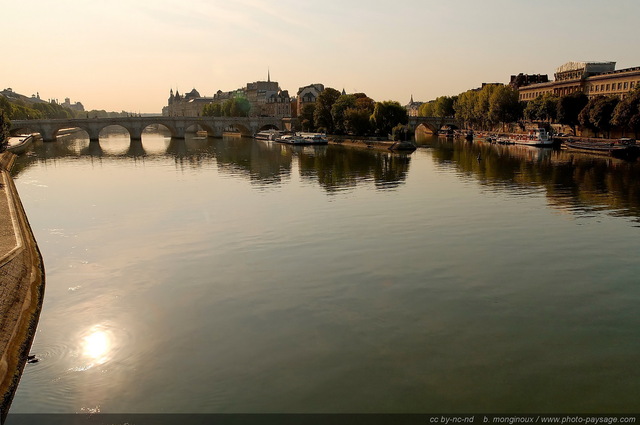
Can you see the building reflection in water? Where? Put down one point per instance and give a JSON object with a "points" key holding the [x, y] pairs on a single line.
{"points": [[573, 181]]}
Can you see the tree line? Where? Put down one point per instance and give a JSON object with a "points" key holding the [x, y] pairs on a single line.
{"points": [[498, 105], [352, 114], [332, 113], [21, 110], [234, 107]]}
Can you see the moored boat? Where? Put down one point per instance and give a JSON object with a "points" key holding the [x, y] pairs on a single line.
{"points": [[268, 135], [621, 150], [19, 145], [313, 138], [303, 139], [536, 137]]}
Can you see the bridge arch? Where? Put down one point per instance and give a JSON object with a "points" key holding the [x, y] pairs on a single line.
{"points": [[242, 128], [24, 129], [49, 133], [270, 126], [164, 125], [426, 129], [211, 131], [112, 128], [48, 128]]}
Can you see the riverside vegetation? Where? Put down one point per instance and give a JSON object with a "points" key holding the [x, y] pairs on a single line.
{"points": [[496, 106]]}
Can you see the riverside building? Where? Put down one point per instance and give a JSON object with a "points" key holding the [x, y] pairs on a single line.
{"points": [[308, 95], [266, 98], [591, 78], [188, 105]]}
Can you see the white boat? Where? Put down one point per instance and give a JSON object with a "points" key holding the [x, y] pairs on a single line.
{"points": [[537, 137], [290, 139], [303, 139], [313, 138], [19, 145], [269, 135]]}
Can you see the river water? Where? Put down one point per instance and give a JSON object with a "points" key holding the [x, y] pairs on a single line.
{"points": [[233, 275]]}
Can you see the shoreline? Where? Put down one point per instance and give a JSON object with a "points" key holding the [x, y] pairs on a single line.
{"points": [[373, 143], [22, 282]]}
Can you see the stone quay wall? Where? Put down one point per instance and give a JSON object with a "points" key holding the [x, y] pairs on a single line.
{"points": [[22, 282]]}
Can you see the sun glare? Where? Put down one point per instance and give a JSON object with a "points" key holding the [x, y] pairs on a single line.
{"points": [[96, 346]]}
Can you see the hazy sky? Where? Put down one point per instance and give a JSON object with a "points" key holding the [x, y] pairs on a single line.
{"points": [[127, 54]]}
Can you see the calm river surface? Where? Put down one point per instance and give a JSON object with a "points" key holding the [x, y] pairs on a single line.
{"points": [[232, 275]]}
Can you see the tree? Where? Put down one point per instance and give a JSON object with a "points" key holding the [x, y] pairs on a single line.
{"points": [[322, 114], [400, 133], [5, 124], [602, 113], [464, 107], [235, 107], [443, 106], [569, 107], [598, 113], [387, 115], [212, 110], [364, 102], [627, 113], [356, 121], [306, 117], [482, 104], [240, 107], [426, 109], [542, 108], [584, 115], [504, 105], [338, 109]]}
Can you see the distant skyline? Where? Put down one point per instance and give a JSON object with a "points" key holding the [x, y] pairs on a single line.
{"points": [[126, 55]]}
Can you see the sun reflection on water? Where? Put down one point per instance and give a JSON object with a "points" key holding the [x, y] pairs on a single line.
{"points": [[96, 346]]}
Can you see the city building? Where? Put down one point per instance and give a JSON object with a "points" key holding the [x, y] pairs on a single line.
{"points": [[277, 105], [591, 78], [308, 94], [522, 80], [188, 105], [265, 97], [67, 104], [413, 108]]}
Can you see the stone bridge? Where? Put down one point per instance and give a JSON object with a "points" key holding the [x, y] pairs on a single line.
{"points": [[433, 124], [177, 126]]}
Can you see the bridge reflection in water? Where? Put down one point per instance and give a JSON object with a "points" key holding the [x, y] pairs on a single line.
{"points": [[447, 275], [571, 181]]}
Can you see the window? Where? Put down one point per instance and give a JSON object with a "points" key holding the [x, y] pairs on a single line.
{"points": [[632, 84], [607, 87], [619, 86], [626, 85]]}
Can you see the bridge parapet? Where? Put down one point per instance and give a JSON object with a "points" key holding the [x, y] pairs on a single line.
{"points": [[177, 126]]}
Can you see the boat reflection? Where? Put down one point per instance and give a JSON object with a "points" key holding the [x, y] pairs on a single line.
{"points": [[573, 181], [265, 164]]}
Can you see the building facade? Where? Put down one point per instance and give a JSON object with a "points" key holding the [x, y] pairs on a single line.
{"points": [[308, 94], [591, 78], [522, 80], [277, 105], [78, 107], [266, 98], [413, 107], [188, 105]]}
